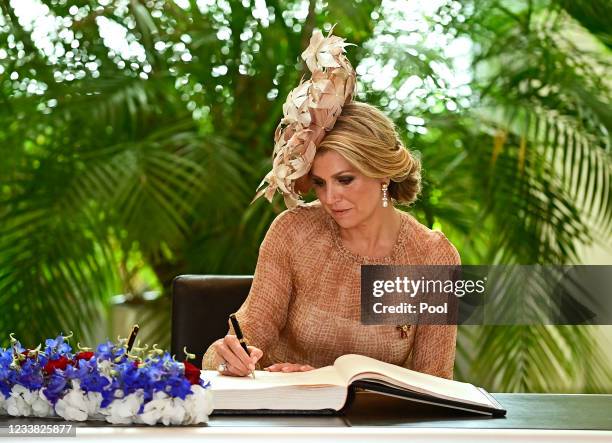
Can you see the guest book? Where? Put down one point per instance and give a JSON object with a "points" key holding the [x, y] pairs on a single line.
{"points": [[328, 389]]}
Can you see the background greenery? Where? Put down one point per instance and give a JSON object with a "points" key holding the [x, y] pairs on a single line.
{"points": [[126, 161]]}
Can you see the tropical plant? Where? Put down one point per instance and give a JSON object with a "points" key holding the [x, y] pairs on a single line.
{"points": [[134, 133], [541, 177]]}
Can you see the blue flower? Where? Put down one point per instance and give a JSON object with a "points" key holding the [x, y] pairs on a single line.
{"points": [[56, 386], [155, 373], [130, 377], [55, 348], [109, 351], [30, 375], [94, 382], [108, 395], [6, 358], [178, 387], [88, 374]]}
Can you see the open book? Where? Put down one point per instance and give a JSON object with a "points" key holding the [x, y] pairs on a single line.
{"points": [[327, 388]]}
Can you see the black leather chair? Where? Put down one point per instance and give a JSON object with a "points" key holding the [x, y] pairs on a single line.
{"points": [[201, 305]]}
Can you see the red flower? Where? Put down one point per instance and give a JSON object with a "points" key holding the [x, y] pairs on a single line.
{"points": [[84, 355], [192, 373], [59, 363]]}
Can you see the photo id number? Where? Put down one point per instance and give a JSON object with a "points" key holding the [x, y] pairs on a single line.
{"points": [[48, 429]]}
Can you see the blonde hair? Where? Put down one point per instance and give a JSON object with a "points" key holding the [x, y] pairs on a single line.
{"points": [[368, 140]]}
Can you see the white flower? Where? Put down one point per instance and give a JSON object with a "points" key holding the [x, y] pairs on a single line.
{"points": [[124, 410], [153, 409], [77, 405], [18, 404], [41, 407], [198, 406], [23, 403], [195, 409], [2, 404], [105, 367], [174, 413], [163, 409]]}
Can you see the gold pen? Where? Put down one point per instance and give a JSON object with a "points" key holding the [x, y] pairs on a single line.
{"points": [[240, 337]]}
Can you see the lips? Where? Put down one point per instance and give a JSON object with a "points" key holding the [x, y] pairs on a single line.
{"points": [[340, 212]]}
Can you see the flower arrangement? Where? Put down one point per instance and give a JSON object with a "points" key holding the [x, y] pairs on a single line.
{"points": [[116, 383]]}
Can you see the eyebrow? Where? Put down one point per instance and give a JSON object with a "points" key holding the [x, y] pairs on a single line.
{"points": [[333, 176]]}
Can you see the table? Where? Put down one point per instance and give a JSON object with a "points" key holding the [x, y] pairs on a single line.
{"points": [[542, 417]]}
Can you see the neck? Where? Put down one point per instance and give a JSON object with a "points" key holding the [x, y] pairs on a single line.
{"points": [[375, 233]]}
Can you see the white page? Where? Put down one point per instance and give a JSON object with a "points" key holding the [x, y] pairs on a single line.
{"points": [[356, 367], [326, 376]]}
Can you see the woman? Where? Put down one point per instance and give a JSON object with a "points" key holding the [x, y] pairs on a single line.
{"points": [[303, 310]]}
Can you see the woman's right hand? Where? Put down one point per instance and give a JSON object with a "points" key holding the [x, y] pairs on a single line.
{"points": [[237, 362]]}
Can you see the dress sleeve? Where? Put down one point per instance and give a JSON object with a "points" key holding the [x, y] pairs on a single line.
{"points": [[263, 314], [434, 345]]}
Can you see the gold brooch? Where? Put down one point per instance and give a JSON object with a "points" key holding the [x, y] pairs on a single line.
{"points": [[403, 330]]}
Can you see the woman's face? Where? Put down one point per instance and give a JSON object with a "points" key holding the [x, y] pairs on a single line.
{"points": [[347, 195]]}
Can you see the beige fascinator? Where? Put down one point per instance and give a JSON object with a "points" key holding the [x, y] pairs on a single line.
{"points": [[311, 109]]}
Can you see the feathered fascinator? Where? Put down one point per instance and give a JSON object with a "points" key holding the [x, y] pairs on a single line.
{"points": [[311, 109]]}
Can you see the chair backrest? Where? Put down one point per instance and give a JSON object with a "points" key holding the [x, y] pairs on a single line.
{"points": [[201, 305]]}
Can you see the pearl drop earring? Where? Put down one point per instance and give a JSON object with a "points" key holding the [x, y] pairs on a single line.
{"points": [[385, 200]]}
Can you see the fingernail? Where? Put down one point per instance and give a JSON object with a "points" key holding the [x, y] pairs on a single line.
{"points": [[285, 369], [251, 366], [303, 368]]}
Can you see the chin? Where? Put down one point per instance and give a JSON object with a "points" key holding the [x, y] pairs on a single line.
{"points": [[345, 222]]}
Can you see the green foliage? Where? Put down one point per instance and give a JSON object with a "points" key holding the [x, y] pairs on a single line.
{"points": [[119, 163]]}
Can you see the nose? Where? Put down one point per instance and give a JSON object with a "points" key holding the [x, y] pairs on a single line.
{"points": [[331, 194]]}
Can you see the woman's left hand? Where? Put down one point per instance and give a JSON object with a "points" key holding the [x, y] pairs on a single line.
{"points": [[288, 367]]}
